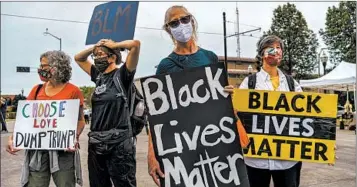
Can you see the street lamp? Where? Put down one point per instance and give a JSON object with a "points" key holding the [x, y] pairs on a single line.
{"points": [[250, 69], [324, 59], [60, 40]]}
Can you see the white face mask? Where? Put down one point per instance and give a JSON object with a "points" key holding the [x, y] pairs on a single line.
{"points": [[182, 33]]}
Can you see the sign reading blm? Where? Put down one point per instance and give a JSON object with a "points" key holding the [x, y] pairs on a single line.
{"points": [[113, 20], [193, 128]]}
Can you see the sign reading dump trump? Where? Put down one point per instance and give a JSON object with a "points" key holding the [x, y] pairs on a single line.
{"points": [[193, 128], [46, 124], [113, 20], [295, 126]]}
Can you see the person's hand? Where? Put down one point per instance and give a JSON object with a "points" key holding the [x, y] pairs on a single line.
{"points": [[75, 148], [100, 43], [110, 44], [10, 147], [229, 89], [336, 157], [154, 170]]}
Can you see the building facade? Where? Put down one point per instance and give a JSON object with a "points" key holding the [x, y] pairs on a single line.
{"points": [[239, 68]]}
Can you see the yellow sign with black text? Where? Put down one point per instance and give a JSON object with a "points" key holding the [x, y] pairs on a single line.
{"points": [[297, 126], [285, 103], [290, 148]]}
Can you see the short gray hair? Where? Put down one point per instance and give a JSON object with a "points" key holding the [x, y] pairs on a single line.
{"points": [[61, 64]]}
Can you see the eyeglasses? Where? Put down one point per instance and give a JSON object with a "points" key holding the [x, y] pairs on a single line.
{"points": [[175, 23], [42, 66]]}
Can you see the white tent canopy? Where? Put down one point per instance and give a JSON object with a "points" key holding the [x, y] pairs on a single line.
{"points": [[342, 78]]}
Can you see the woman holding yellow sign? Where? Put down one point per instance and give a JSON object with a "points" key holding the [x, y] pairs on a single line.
{"points": [[270, 77]]}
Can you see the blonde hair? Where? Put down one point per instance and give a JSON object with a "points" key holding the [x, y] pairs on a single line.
{"points": [[167, 18]]}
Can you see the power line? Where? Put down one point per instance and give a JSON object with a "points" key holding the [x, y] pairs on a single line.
{"points": [[83, 22], [242, 24]]}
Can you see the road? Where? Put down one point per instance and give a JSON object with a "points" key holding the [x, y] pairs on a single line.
{"points": [[312, 175]]}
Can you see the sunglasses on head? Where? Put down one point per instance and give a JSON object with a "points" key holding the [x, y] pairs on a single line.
{"points": [[175, 23]]}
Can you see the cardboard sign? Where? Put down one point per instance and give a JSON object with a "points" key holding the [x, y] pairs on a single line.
{"points": [[295, 126], [46, 124], [193, 128], [113, 20]]}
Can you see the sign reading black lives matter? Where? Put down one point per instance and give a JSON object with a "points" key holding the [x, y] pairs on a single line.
{"points": [[297, 126], [193, 128]]}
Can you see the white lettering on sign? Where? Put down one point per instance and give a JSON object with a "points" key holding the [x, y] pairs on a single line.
{"points": [[185, 95]]}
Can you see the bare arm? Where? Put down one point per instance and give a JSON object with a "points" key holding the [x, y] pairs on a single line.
{"points": [[82, 60], [81, 122]]}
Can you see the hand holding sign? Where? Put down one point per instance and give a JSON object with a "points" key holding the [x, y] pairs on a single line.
{"points": [[10, 146], [154, 170]]}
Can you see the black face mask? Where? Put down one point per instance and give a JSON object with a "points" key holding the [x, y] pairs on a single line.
{"points": [[101, 64], [44, 74]]}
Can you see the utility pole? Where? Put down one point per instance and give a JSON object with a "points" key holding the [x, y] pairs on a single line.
{"points": [[225, 42], [238, 37]]}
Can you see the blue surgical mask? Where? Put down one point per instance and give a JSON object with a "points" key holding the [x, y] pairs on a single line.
{"points": [[183, 32]]}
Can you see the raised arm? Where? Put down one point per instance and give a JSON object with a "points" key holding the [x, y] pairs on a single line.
{"points": [[82, 59]]}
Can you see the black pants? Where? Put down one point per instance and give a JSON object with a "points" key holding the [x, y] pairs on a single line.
{"points": [[3, 121], [118, 165], [281, 178]]}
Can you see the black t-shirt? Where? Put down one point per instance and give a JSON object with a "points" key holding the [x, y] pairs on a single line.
{"points": [[107, 106]]}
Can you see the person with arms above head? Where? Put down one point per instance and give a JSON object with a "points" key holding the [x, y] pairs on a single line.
{"points": [[181, 25], [111, 146], [64, 166]]}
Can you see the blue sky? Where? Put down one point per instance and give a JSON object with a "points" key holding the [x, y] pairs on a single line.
{"points": [[22, 40]]}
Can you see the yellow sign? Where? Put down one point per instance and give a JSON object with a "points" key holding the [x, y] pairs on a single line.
{"points": [[290, 148], [295, 126], [285, 103]]}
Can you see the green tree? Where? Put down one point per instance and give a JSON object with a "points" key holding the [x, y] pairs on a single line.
{"points": [[300, 43], [340, 32], [87, 92]]}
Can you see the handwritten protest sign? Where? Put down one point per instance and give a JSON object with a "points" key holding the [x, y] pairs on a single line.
{"points": [[193, 128], [113, 20], [46, 124], [296, 126]]}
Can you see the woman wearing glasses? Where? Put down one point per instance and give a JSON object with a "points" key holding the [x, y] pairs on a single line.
{"points": [[182, 28], [111, 148], [55, 71]]}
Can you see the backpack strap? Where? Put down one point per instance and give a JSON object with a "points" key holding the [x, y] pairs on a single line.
{"points": [[38, 90], [252, 80], [129, 101], [291, 82]]}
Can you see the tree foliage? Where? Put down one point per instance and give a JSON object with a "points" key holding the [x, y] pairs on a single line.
{"points": [[340, 32], [300, 43], [87, 92]]}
